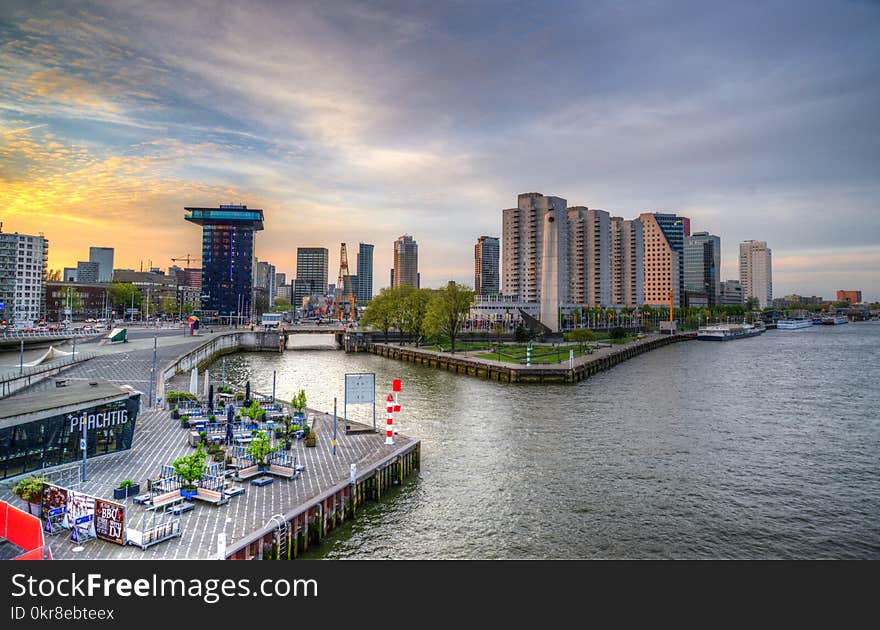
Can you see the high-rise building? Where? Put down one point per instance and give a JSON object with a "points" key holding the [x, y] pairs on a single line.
{"points": [[589, 256], [392, 277], [23, 267], [104, 257], [731, 293], [264, 284], [312, 267], [487, 258], [227, 256], [756, 272], [686, 226], [87, 272], [853, 297], [627, 263], [406, 262], [525, 269], [280, 279], [702, 269], [664, 259], [364, 284], [69, 274]]}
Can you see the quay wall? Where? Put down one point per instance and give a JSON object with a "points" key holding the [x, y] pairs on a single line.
{"points": [[584, 368], [288, 535], [225, 343]]}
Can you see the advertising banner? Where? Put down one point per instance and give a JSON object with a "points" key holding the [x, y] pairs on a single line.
{"points": [[80, 510], [110, 521], [54, 499]]}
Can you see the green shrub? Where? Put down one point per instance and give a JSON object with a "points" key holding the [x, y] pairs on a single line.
{"points": [[174, 397], [126, 483], [618, 333], [29, 489]]}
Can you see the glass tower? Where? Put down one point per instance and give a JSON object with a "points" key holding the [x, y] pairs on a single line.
{"points": [[227, 256]]}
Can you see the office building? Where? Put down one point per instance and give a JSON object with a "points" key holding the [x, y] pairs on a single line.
{"points": [[280, 279], [627, 263], [852, 297], [406, 262], [87, 272], [535, 264], [227, 256], [103, 256], [589, 256], [487, 260], [301, 290], [76, 301], [23, 267], [664, 258], [312, 265], [731, 293], [756, 272], [702, 269], [364, 284], [69, 274]]}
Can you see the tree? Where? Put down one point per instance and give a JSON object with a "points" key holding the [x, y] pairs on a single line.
{"points": [[53, 275], [448, 310], [71, 299], [190, 468], [169, 305], [282, 303], [379, 313], [752, 304], [260, 448], [498, 331], [414, 308], [122, 295], [582, 336]]}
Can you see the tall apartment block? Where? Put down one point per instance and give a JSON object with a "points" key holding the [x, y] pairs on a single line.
{"points": [[589, 256], [702, 269], [627, 262], [535, 253], [23, 266], [487, 255], [406, 262], [756, 272], [853, 297], [312, 267], [227, 256], [664, 259], [364, 284], [104, 257]]}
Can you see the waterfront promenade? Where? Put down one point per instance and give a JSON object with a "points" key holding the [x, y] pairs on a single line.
{"points": [[582, 367]]}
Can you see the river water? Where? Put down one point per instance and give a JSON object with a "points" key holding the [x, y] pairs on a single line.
{"points": [[756, 448]]}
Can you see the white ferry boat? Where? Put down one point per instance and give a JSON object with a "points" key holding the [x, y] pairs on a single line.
{"points": [[793, 324], [831, 320], [726, 332]]}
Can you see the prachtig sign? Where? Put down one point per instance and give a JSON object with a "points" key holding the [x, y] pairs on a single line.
{"points": [[101, 420]]}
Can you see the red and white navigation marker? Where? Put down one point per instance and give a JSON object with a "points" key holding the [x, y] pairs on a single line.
{"points": [[395, 387], [389, 436]]}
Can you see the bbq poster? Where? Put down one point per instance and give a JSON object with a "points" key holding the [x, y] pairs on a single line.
{"points": [[110, 521]]}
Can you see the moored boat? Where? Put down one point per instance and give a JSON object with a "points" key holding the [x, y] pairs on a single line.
{"points": [[831, 320], [793, 324], [726, 332]]}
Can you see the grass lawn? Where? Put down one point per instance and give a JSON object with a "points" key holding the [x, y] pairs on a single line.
{"points": [[517, 354]]}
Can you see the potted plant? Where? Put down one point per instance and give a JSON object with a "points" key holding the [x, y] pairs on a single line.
{"points": [[298, 404], [203, 437], [175, 414], [127, 488], [260, 448], [30, 490], [311, 438], [184, 422], [190, 468], [212, 418]]}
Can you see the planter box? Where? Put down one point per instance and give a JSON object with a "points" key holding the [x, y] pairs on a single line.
{"points": [[34, 509], [188, 494], [131, 491]]}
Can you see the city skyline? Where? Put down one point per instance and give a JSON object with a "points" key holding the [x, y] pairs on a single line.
{"points": [[112, 113]]}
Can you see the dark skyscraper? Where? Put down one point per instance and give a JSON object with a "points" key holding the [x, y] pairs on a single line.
{"points": [[364, 284], [227, 256], [486, 262]]}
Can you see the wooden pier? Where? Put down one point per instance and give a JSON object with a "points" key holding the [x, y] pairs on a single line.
{"points": [[502, 372]]}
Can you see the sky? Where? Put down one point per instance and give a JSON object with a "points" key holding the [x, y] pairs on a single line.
{"points": [[363, 121]]}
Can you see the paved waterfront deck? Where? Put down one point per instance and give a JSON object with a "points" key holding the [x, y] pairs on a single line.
{"points": [[159, 440]]}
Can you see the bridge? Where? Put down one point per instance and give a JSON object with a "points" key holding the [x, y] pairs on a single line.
{"points": [[12, 340]]}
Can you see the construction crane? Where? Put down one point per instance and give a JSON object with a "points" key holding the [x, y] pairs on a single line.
{"points": [[344, 290], [187, 258]]}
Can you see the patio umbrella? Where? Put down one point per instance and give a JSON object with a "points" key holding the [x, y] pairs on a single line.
{"points": [[194, 381], [230, 411], [207, 381], [247, 394], [210, 397]]}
